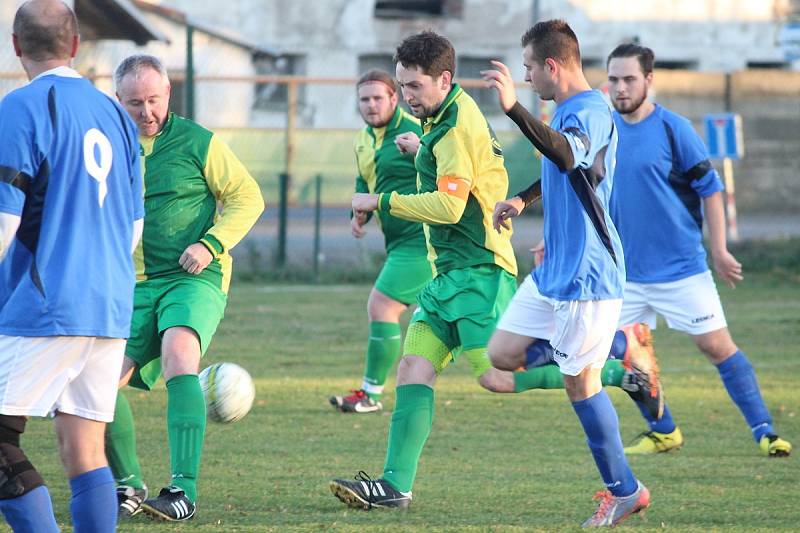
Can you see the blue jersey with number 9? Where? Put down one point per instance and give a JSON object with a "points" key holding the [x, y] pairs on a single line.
{"points": [[69, 167]]}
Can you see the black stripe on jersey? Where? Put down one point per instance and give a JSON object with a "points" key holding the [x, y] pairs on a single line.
{"points": [[31, 220], [681, 182], [584, 182], [17, 179], [699, 170], [51, 105]]}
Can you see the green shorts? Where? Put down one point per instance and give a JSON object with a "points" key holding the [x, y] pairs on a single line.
{"points": [[404, 274], [462, 306], [163, 303]]}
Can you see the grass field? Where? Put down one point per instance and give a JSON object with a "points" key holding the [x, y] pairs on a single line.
{"points": [[493, 462]]}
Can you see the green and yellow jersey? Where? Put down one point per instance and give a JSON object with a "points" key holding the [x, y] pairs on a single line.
{"points": [[460, 178], [383, 168], [187, 173]]}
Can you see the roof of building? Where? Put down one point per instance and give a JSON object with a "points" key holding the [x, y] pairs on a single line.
{"points": [[182, 18], [114, 19]]}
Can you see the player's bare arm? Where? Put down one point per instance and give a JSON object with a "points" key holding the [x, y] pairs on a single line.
{"points": [[501, 81], [725, 264], [8, 229], [195, 258], [364, 203], [511, 207], [407, 143], [505, 210], [357, 225], [538, 253]]}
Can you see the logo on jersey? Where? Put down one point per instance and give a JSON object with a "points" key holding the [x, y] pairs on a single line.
{"points": [[559, 353], [496, 148], [702, 318]]}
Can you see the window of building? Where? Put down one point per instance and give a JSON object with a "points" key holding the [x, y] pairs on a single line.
{"points": [[378, 61], [274, 96], [676, 64], [177, 97], [768, 64], [593, 62], [469, 68], [395, 9]]}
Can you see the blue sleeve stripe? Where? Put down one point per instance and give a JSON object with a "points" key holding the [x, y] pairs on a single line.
{"points": [[18, 179]]}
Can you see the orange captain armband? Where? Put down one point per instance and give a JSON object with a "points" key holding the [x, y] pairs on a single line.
{"points": [[454, 186]]}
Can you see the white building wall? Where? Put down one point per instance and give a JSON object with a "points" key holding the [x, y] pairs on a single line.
{"points": [[712, 35]]}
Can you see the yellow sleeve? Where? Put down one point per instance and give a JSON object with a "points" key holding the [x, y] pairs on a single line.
{"points": [[238, 193], [455, 176]]}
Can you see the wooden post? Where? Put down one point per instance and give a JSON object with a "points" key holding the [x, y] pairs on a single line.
{"points": [[730, 199]]}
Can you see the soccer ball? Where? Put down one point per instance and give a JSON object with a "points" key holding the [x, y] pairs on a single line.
{"points": [[229, 392]]}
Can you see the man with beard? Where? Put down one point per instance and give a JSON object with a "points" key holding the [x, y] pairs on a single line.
{"points": [[460, 178], [385, 166], [665, 177]]}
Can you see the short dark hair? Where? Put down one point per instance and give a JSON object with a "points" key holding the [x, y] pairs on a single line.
{"points": [[377, 75], [643, 54], [429, 51], [45, 36], [553, 39]]}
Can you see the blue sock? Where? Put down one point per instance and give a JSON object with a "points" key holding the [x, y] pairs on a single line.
{"points": [[601, 425], [740, 379], [665, 425], [618, 346], [31, 512], [539, 353], [94, 501]]}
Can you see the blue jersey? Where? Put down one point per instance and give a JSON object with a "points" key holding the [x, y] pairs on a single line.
{"points": [[584, 258], [657, 198], [69, 167]]}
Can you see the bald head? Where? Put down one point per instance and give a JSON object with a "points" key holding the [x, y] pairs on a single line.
{"points": [[45, 30]]}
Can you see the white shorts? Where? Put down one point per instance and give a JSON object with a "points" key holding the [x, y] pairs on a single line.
{"points": [[73, 375], [579, 331], [690, 304]]}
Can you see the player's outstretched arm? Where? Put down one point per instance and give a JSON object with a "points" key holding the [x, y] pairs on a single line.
{"points": [[553, 145], [500, 80], [726, 265]]}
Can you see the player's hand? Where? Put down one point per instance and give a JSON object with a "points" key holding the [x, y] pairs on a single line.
{"points": [[502, 82], [727, 267], [364, 203], [505, 210], [195, 258], [407, 143], [357, 225], [538, 253]]}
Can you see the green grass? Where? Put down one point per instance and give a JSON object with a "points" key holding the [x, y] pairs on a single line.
{"points": [[493, 463]]}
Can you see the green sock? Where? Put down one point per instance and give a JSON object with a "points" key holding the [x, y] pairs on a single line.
{"points": [[411, 424], [383, 349], [612, 373], [186, 426], [121, 446], [540, 377], [549, 376]]}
